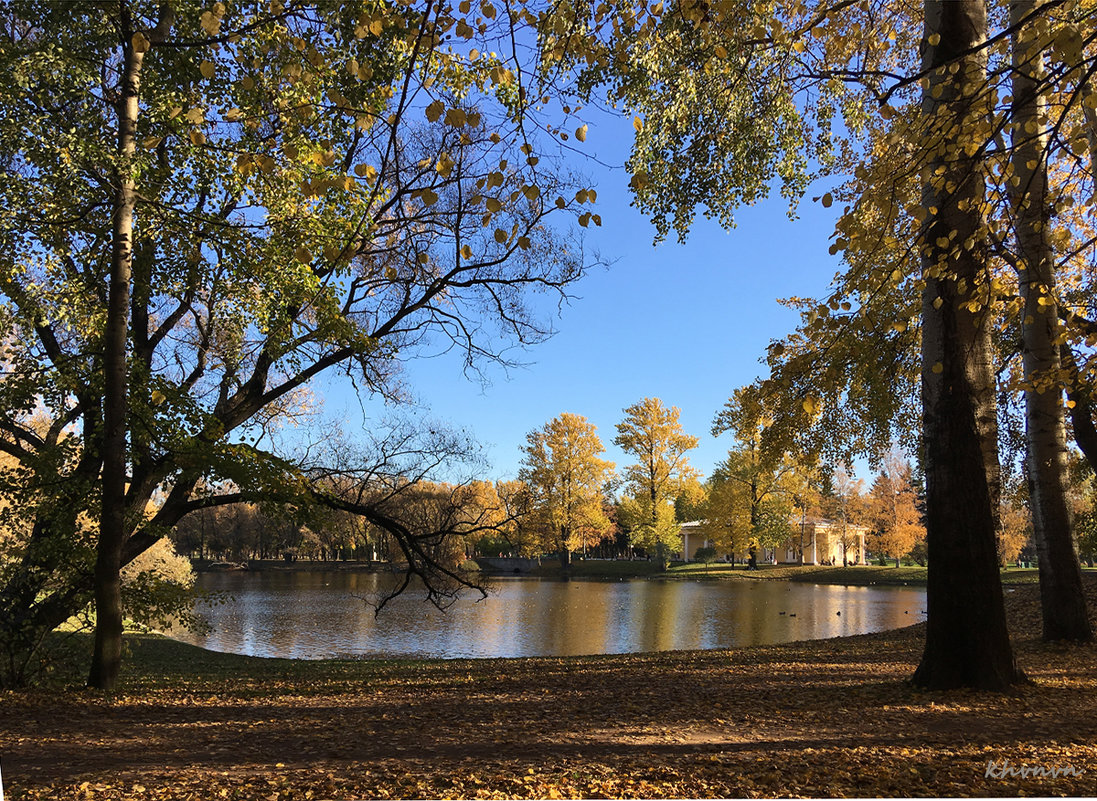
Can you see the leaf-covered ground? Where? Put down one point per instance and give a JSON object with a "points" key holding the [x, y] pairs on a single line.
{"points": [[825, 718]]}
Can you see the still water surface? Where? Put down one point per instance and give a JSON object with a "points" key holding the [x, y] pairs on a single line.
{"points": [[320, 615]]}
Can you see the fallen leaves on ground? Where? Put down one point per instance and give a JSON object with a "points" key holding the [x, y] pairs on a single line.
{"points": [[822, 718]]}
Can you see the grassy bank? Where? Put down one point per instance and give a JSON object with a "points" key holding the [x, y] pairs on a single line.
{"points": [[860, 575], [826, 718]]}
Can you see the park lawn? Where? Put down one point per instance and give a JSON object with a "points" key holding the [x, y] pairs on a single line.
{"points": [[860, 575], [816, 574], [824, 718]]}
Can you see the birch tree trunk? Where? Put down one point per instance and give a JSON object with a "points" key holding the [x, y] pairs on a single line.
{"points": [[967, 644], [1062, 599], [107, 654]]}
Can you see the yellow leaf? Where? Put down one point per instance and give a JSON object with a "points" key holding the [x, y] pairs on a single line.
{"points": [[207, 68], [302, 255], [581, 133], [500, 236], [638, 124], [466, 252], [210, 23], [376, 27], [434, 110], [140, 43]]}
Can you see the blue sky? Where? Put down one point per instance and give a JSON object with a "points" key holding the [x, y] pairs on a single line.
{"points": [[686, 323]]}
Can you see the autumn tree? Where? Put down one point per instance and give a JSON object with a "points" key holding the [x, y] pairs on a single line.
{"points": [[565, 474], [936, 144], [652, 434], [208, 207], [689, 503], [893, 510], [515, 526], [966, 639], [1065, 616], [847, 508], [1015, 531], [752, 493]]}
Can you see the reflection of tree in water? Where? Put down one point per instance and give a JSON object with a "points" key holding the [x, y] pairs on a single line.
{"points": [[312, 615]]}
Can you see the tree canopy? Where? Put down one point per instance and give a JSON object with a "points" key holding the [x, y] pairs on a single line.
{"points": [[207, 208], [652, 434]]}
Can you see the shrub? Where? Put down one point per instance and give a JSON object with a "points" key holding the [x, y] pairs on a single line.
{"points": [[706, 555]]}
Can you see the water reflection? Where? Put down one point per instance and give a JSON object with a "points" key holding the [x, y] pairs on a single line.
{"points": [[317, 615]]}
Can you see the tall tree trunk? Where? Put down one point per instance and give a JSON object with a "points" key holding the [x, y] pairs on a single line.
{"points": [[107, 655], [967, 644], [1081, 413], [1062, 598], [565, 552]]}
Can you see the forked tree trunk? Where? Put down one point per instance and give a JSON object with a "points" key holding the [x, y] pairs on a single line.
{"points": [[967, 644], [1062, 598]]}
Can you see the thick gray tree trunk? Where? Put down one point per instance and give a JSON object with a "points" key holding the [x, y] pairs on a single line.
{"points": [[1062, 598], [967, 644]]}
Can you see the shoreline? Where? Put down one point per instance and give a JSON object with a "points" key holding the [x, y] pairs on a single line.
{"points": [[597, 569]]}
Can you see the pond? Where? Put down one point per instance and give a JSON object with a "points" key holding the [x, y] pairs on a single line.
{"points": [[319, 615]]}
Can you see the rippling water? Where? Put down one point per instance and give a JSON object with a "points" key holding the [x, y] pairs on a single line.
{"points": [[317, 615]]}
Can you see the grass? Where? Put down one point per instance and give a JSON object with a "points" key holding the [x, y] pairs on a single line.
{"points": [[859, 575]]}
